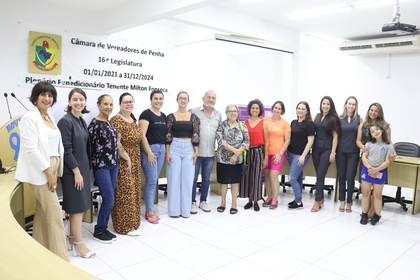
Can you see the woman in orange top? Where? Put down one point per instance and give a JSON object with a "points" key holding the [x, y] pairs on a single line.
{"points": [[278, 141]]}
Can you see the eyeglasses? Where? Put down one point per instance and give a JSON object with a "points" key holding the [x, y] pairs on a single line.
{"points": [[183, 98], [127, 102], [232, 112]]}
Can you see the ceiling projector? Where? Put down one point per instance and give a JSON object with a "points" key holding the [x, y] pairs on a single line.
{"points": [[398, 28]]}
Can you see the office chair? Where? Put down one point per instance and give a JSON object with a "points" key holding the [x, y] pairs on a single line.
{"points": [[402, 149]]}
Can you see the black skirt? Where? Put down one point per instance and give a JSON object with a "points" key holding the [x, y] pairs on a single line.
{"points": [[228, 173]]}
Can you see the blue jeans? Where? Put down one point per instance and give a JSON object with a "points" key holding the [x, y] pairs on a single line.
{"points": [[152, 172], [206, 164], [296, 175], [180, 175], [106, 179]]}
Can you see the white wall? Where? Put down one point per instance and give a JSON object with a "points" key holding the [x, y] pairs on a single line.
{"points": [[391, 80]]}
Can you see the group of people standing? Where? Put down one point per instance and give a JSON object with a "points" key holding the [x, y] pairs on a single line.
{"points": [[249, 154]]}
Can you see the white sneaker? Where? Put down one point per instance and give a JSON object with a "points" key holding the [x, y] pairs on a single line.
{"points": [[133, 233], [203, 206], [193, 208]]}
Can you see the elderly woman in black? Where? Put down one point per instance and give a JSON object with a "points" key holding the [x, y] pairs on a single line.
{"points": [[232, 139]]}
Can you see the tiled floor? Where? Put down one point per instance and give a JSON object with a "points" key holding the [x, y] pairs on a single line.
{"points": [[269, 244]]}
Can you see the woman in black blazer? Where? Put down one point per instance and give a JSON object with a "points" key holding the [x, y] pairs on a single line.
{"points": [[77, 164]]}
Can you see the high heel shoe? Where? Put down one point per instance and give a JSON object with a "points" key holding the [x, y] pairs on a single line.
{"points": [[342, 205], [319, 204], [348, 207], [155, 221], [69, 245], [76, 253]]}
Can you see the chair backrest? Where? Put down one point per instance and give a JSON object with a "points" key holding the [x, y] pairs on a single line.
{"points": [[407, 149]]}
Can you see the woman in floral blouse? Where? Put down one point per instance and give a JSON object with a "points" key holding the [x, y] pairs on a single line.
{"points": [[105, 149], [233, 139]]}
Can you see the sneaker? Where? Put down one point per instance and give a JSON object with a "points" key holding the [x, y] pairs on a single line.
{"points": [[203, 206], [193, 208], [375, 219], [274, 204], [364, 219], [110, 234], [290, 203], [102, 237], [295, 206], [267, 202], [133, 233]]}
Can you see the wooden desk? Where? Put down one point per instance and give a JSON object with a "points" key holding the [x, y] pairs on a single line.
{"points": [[21, 256]]}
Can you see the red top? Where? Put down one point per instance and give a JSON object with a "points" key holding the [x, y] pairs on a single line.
{"points": [[256, 133]]}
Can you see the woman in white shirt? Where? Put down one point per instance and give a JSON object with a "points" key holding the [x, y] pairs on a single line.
{"points": [[40, 163]]}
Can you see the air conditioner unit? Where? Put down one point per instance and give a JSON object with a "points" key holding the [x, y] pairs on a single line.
{"points": [[399, 44]]}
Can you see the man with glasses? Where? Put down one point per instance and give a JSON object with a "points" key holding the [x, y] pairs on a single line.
{"points": [[209, 121]]}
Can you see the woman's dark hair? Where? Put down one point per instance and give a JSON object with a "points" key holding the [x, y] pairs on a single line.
{"points": [[283, 110], [177, 96], [73, 91], [259, 103], [120, 101], [308, 115], [42, 87], [331, 120], [155, 92], [384, 134]]}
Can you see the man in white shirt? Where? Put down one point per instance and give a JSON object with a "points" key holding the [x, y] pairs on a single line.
{"points": [[209, 121]]}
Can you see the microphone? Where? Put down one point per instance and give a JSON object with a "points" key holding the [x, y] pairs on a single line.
{"points": [[8, 108], [13, 95]]}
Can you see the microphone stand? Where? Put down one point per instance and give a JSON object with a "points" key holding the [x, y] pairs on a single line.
{"points": [[13, 95], [8, 108]]}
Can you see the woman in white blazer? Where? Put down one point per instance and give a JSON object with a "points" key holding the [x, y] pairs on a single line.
{"points": [[40, 163]]}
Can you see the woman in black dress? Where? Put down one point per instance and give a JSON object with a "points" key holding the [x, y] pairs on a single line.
{"points": [[77, 164]]}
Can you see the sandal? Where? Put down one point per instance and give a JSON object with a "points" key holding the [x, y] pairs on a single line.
{"points": [[348, 207], [221, 209], [76, 253], [341, 209], [153, 219], [233, 211]]}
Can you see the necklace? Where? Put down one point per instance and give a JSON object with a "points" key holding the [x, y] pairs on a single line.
{"points": [[47, 118]]}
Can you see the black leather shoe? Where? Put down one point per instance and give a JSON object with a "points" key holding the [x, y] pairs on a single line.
{"points": [[248, 205], [256, 207], [364, 219]]}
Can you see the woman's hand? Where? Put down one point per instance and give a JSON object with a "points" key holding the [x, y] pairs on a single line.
{"points": [[52, 182], [238, 152], [277, 158], [78, 181], [128, 168], [332, 157], [151, 158], [300, 160], [168, 158], [392, 158], [364, 150], [194, 158], [265, 162], [233, 158]]}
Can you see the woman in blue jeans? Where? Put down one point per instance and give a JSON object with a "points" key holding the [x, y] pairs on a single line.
{"points": [[182, 140], [105, 150], [302, 138], [153, 124]]}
